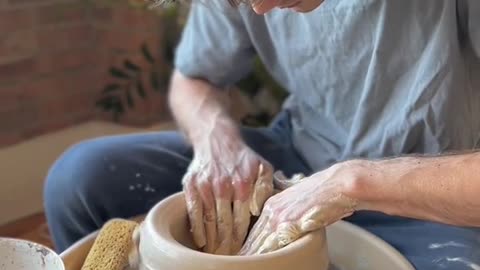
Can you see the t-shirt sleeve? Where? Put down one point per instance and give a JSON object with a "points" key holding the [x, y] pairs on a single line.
{"points": [[214, 45]]}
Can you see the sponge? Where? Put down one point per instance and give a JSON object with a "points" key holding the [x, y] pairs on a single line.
{"points": [[113, 246]]}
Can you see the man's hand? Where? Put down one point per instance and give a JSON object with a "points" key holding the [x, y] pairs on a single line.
{"points": [[313, 203], [225, 183]]}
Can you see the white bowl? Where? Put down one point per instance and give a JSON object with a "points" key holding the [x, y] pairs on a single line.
{"points": [[18, 254], [166, 243]]}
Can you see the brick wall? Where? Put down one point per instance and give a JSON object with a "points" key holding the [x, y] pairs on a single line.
{"points": [[54, 59]]}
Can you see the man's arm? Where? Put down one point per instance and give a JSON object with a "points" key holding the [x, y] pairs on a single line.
{"points": [[224, 172], [444, 189], [199, 109]]}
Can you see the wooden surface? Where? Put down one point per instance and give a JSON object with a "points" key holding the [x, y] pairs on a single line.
{"points": [[33, 228]]}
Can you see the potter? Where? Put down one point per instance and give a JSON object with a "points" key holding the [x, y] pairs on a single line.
{"points": [[382, 110]]}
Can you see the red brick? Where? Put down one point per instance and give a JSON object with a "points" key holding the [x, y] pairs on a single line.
{"points": [[61, 121], [67, 105], [102, 15], [10, 96], [10, 138], [52, 39], [83, 82], [59, 61], [64, 84], [61, 13], [70, 37], [80, 35], [56, 124], [119, 39], [19, 117], [44, 87], [17, 70], [16, 45], [61, 111], [135, 18], [101, 58], [45, 126], [15, 20]]}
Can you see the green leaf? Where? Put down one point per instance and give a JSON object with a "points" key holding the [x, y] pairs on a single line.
{"points": [[118, 73], [104, 106], [109, 103], [131, 66], [146, 53], [104, 102], [140, 89], [154, 80], [128, 96], [112, 87]]}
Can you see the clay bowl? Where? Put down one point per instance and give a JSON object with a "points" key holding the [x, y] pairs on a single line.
{"points": [[166, 243], [16, 254]]}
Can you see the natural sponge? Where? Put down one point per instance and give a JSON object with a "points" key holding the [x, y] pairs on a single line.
{"points": [[113, 246]]}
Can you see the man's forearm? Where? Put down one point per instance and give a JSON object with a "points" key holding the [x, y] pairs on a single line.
{"points": [[445, 189], [199, 109]]}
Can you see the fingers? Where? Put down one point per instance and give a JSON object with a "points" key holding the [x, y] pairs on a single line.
{"points": [[224, 226], [195, 214], [287, 233], [313, 219], [223, 191], [262, 189], [209, 216], [263, 240], [241, 222], [241, 209], [259, 227], [261, 235], [324, 215], [271, 243]]}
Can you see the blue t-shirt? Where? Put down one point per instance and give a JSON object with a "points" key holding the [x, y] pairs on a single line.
{"points": [[368, 78]]}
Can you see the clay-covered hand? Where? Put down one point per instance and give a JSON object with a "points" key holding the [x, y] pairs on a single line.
{"points": [[312, 203], [226, 183]]}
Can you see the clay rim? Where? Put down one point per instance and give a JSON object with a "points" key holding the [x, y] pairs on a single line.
{"points": [[35, 245], [170, 243]]}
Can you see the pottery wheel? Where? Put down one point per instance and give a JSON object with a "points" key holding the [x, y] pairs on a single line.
{"points": [[350, 248], [353, 248]]}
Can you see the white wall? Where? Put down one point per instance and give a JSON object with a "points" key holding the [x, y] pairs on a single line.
{"points": [[23, 166]]}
